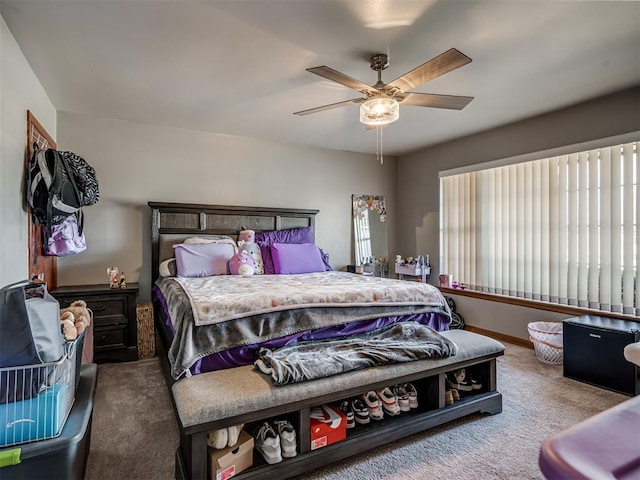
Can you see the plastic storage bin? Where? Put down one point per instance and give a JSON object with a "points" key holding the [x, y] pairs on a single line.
{"points": [[547, 341], [63, 457]]}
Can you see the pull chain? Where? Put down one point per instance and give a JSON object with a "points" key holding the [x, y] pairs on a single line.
{"points": [[379, 145]]}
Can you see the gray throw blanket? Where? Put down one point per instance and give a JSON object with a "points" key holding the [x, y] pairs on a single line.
{"points": [[401, 342]]}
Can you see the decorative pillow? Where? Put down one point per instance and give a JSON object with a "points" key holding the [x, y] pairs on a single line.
{"points": [[291, 235], [168, 268], [289, 258], [211, 239], [202, 259]]}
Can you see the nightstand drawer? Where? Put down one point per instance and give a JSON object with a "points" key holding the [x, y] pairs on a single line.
{"points": [[103, 306], [109, 338], [109, 321]]}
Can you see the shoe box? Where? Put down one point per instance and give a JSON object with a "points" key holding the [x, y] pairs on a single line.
{"points": [[229, 461], [328, 425]]}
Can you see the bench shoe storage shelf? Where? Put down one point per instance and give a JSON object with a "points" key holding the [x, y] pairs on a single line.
{"points": [[242, 395]]}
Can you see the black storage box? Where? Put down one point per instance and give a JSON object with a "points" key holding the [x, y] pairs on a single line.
{"points": [[594, 352], [63, 457]]}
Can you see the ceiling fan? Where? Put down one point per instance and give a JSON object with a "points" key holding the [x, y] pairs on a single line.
{"points": [[380, 101]]}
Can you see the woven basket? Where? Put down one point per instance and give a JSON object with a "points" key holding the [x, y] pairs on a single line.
{"points": [[547, 341], [547, 352], [146, 332]]}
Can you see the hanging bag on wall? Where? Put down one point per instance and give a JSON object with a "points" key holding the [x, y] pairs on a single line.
{"points": [[52, 192], [85, 177], [30, 334], [66, 239]]}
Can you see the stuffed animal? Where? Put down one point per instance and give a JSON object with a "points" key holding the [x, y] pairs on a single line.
{"points": [[246, 243], [74, 319], [241, 264]]}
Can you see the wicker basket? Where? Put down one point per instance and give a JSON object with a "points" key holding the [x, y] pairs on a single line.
{"points": [[547, 341], [146, 332]]}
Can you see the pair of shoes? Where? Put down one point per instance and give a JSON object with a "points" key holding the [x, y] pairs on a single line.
{"points": [[402, 397], [346, 408], [412, 393], [275, 442], [224, 437], [360, 410], [374, 405], [389, 402]]}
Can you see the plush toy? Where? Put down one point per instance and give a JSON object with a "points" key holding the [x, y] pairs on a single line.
{"points": [[246, 243], [74, 319], [241, 264]]}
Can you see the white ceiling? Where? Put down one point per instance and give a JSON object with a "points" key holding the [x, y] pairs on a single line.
{"points": [[238, 66]]}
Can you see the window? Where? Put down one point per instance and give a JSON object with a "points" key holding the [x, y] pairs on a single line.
{"points": [[562, 229]]}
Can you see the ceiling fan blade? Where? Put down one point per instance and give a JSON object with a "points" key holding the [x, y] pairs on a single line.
{"points": [[341, 78], [434, 68], [329, 107], [452, 102]]}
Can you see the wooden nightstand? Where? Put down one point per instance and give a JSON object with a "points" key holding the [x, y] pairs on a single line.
{"points": [[115, 329]]}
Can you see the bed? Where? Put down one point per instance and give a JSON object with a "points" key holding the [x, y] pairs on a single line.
{"points": [[219, 386], [232, 338]]}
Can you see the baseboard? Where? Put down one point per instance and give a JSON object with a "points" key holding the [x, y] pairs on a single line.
{"points": [[500, 336]]}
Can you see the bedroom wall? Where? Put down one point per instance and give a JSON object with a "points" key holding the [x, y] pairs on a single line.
{"points": [[20, 91], [418, 184], [136, 163]]}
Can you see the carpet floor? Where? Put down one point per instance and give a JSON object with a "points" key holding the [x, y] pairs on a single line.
{"points": [[135, 435]]}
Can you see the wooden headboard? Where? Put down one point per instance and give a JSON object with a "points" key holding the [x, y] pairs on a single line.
{"points": [[174, 222]]}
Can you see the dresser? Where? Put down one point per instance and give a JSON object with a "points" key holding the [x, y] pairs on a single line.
{"points": [[115, 328]]}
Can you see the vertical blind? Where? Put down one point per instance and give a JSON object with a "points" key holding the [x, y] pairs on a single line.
{"points": [[562, 229]]}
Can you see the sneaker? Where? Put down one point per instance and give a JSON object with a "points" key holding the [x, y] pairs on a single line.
{"points": [[373, 404], [464, 381], [287, 438], [218, 438], [402, 397], [451, 380], [267, 442], [476, 381], [360, 411], [388, 401], [413, 395], [233, 434], [345, 407]]}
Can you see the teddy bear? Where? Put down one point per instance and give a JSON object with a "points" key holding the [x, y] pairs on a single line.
{"points": [[74, 319], [241, 264], [246, 243]]}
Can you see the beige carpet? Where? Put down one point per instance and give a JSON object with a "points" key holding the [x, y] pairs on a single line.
{"points": [[135, 434]]}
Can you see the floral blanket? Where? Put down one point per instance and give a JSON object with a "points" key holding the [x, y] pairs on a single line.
{"points": [[227, 297]]}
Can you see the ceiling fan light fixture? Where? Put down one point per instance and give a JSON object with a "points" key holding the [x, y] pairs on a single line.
{"points": [[378, 111]]}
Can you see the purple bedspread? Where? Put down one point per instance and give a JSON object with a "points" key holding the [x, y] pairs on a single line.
{"points": [[246, 355]]}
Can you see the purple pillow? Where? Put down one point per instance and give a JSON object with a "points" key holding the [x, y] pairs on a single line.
{"points": [[289, 258], [202, 259], [290, 235]]}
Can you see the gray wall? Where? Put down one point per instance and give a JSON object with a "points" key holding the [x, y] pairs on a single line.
{"points": [[418, 183], [20, 91], [137, 163]]}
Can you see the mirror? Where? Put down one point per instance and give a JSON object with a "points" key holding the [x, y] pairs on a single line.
{"points": [[370, 234]]}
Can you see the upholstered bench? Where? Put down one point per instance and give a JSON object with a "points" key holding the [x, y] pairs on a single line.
{"points": [[605, 446], [223, 398]]}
